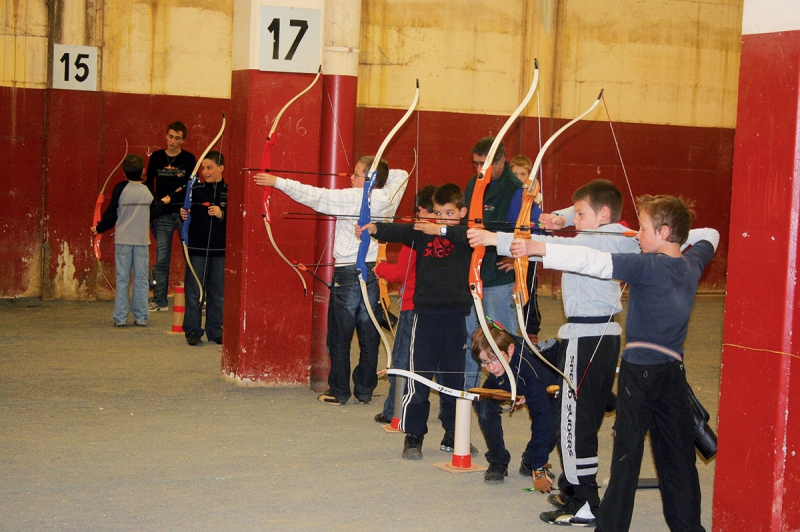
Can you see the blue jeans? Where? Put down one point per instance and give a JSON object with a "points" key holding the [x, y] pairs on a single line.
{"points": [[163, 228], [136, 258], [346, 314], [498, 305], [212, 275], [400, 354]]}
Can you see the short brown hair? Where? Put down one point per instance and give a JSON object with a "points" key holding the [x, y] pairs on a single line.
{"points": [[383, 169], [177, 126], [448, 193], [601, 193], [675, 213], [480, 343], [483, 146], [133, 165]]}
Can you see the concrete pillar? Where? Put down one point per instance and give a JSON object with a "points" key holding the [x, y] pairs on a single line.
{"points": [[273, 335], [337, 138], [267, 338], [756, 485]]}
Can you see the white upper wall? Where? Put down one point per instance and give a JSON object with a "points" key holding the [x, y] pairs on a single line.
{"points": [[770, 16]]}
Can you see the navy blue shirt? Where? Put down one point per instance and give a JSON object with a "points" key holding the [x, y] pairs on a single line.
{"points": [[662, 290]]}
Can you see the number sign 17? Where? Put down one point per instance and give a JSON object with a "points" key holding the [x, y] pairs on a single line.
{"points": [[290, 39]]}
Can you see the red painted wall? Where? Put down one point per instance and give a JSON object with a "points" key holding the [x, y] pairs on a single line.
{"points": [[758, 435], [63, 144], [82, 135], [693, 162], [22, 140]]}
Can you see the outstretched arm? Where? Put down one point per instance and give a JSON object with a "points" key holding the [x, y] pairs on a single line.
{"points": [[577, 259]]}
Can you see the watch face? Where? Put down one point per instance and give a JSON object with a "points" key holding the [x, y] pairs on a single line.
{"points": [[443, 230]]}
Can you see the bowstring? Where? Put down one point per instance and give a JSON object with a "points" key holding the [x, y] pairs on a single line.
{"points": [[636, 210], [211, 218], [346, 159]]}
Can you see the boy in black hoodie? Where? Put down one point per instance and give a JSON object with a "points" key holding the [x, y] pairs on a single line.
{"points": [[441, 302], [206, 246]]}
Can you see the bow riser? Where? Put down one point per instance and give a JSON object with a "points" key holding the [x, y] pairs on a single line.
{"points": [[476, 214], [524, 231]]}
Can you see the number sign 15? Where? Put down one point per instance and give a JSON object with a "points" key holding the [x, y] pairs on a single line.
{"points": [[75, 67]]}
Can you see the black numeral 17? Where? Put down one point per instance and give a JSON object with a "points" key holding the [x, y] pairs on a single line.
{"points": [[275, 29]]}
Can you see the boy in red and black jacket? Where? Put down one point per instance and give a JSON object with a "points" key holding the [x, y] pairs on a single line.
{"points": [[441, 302]]}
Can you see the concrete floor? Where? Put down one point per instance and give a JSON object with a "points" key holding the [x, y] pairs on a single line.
{"points": [[132, 429]]}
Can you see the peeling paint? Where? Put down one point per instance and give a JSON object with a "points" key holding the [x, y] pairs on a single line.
{"points": [[65, 285], [247, 382]]}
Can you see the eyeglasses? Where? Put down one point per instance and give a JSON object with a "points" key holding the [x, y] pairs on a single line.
{"points": [[477, 164], [487, 363]]}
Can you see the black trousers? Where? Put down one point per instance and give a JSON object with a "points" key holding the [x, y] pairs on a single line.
{"points": [[437, 343], [653, 398], [582, 414]]}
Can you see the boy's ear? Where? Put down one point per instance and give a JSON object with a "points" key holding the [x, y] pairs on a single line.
{"points": [[463, 212], [664, 232], [510, 350], [605, 213]]}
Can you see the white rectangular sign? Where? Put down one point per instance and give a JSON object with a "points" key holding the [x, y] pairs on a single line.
{"points": [[291, 39], [75, 67]]}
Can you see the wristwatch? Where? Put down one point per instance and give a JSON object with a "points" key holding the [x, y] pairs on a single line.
{"points": [[443, 230]]}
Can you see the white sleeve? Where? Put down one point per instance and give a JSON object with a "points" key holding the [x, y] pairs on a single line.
{"points": [[705, 233], [579, 259], [338, 202], [386, 200], [568, 214], [504, 244]]}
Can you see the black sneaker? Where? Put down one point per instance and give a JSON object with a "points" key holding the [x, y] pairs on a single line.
{"points": [[449, 441], [329, 399], [496, 472], [564, 517], [412, 447], [218, 340], [525, 470], [193, 338], [557, 500], [380, 418]]}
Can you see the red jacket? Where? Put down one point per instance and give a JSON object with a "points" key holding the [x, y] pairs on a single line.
{"points": [[403, 272]]}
